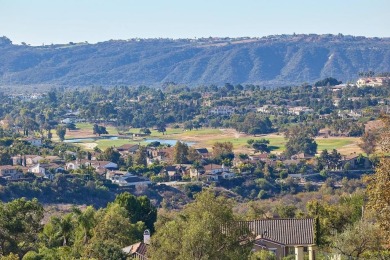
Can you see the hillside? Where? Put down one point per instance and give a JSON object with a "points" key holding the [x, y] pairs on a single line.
{"points": [[268, 61]]}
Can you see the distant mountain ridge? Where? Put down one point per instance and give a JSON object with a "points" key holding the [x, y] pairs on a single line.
{"points": [[270, 61]]}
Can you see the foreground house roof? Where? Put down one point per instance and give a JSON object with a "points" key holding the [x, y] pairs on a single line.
{"points": [[285, 231], [289, 232], [137, 250]]}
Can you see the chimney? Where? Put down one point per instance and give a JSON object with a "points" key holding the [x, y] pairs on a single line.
{"points": [[147, 237]]}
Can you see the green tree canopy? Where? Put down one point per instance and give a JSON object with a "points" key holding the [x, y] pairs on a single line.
{"points": [[198, 233]]}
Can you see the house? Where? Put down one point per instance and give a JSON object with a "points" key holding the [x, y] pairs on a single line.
{"points": [[222, 110], [34, 141], [355, 161], [26, 159], [172, 172], [227, 175], [138, 250], [214, 168], [338, 87], [212, 172], [126, 179], [99, 166], [301, 156], [52, 158], [46, 171], [161, 154], [373, 82], [10, 172], [128, 149], [268, 109], [284, 237], [299, 110], [176, 171], [203, 152], [259, 157]]}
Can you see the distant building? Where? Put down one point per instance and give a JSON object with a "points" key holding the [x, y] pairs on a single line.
{"points": [[34, 141], [99, 166], [373, 82], [10, 172], [222, 110], [300, 110], [126, 179]]}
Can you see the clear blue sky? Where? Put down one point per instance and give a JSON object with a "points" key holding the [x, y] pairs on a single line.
{"points": [[61, 21]]}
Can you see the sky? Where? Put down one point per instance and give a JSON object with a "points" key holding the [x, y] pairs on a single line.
{"points": [[38, 22]]}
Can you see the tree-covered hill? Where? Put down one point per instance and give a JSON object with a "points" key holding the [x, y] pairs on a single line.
{"points": [[268, 61]]}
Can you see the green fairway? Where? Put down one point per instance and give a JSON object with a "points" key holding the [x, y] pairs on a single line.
{"points": [[202, 131], [105, 143], [206, 137], [333, 143], [88, 126]]}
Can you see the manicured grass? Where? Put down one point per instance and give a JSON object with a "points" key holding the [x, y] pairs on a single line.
{"points": [[87, 126], [170, 131], [202, 131], [277, 143], [105, 143], [206, 137], [334, 143]]}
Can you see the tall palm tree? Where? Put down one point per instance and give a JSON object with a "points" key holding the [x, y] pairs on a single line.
{"points": [[64, 226], [86, 221]]}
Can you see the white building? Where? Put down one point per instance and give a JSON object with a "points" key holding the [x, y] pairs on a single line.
{"points": [[373, 81], [222, 110]]}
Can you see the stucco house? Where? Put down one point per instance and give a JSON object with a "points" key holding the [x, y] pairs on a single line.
{"points": [[46, 170], [10, 172], [100, 166]]}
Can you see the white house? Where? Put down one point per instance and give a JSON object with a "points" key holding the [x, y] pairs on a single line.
{"points": [[373, 81], [222, 110], [43, 170], [212, 172], [97, 165]]}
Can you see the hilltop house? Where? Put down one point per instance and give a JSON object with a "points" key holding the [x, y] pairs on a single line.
{"points": [[128, 149], [176, 171], [99, 166], [373, 82], [126, 179], [299, 110], [34, 141], [10, 172], [46, 171], [203, 152], [212, 172], [355, 161], [222, 111]]}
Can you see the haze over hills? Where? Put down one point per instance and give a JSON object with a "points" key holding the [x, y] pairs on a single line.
{"points": [[268, 61]]}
